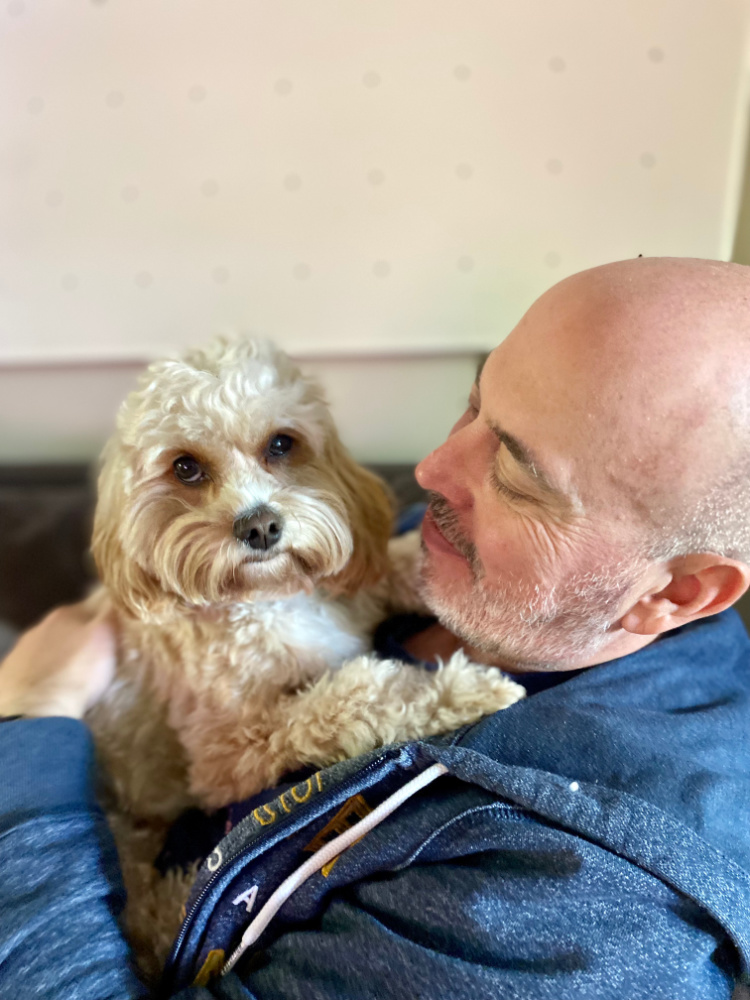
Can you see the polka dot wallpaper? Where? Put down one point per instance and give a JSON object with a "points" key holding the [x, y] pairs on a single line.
{"points": [[386, 175]]}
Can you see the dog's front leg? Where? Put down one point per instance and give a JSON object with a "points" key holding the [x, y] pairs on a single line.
{"points": [[235, 752], [370, 703], [231, 748]]}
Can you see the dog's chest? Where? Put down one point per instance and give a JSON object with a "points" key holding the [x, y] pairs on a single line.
{"points": [[326, 632], [282, 642], [315, 634]]}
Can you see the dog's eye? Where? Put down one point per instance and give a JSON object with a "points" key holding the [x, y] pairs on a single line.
{"points": [[280, 444], [188, 469]]}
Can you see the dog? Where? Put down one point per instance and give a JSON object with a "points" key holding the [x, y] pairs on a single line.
{"points": [[245, 557]]}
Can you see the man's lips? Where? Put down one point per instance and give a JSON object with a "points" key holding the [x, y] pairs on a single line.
{"points": [[434, 538]]}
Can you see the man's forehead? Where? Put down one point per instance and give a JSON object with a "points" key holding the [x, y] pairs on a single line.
{"points": [[573, 425]]}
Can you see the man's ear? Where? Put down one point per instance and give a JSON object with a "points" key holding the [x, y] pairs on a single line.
{"points": [[699, 585]]}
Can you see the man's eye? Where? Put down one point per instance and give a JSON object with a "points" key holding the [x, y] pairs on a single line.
{"points": [[188, 469], [279, 445], [506, 491]]}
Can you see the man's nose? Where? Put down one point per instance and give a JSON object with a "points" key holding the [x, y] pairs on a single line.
{"points": [[445, 471]]}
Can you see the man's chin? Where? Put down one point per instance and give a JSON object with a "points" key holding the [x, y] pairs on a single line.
{"points": [[444, 595], [502, 636]]}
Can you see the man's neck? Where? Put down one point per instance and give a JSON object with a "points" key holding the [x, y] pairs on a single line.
{"points": [[437, 642]]}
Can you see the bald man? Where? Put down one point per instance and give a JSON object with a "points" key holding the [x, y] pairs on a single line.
{"points": [[588, 532], [600, 473]]}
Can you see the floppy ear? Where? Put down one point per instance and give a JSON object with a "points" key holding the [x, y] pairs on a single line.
{"points": [[369, 508], [130, 587]]}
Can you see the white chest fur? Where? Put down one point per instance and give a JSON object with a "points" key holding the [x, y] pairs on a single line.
{"points": [[239, 649]]}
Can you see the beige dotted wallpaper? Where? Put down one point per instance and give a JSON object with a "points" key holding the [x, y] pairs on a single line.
{"points": [[346, 177]]}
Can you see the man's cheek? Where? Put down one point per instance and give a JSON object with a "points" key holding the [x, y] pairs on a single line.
{"points": [[510, 549]]}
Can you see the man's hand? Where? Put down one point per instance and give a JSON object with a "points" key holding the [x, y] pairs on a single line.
{"points": [[59, 667]]}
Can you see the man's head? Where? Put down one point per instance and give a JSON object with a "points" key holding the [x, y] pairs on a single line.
{"points": [[596, 492]]}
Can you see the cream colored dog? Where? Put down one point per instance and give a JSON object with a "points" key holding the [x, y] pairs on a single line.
{"points": [[246, 558]]}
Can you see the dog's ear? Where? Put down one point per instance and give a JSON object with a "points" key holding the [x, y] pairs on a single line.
{"points": [[131, 588], [369, 507]]}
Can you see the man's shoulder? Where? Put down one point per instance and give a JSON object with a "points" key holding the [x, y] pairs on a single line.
{"points": [[666, 726]]}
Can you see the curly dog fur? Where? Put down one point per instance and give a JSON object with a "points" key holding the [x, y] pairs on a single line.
{"points": [[246, 558]]}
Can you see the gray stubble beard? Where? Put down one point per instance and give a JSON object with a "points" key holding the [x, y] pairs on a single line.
{"points": [[519, 627]]}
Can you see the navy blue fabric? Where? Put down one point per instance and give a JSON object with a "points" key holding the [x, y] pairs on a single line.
{"points": [[591, 841], [60, 886], [670, 724], [410, 518], [191, 838], [390, 636]]}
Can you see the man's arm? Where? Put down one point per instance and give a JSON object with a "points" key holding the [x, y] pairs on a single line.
{"points": [[60, 886], [61, 890], [534, 913]]}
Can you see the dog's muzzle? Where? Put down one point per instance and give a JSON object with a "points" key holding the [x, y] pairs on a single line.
{"points": [[260, 529]]}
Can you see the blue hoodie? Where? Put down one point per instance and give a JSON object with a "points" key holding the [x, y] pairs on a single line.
{"points": [[591, 841]]}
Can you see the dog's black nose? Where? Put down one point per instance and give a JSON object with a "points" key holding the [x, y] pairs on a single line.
{"points": [[260, 529]]}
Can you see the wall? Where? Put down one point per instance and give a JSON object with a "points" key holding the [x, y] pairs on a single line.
{"points": [[386, 410], [382, 187], [741, 249], [399, 175]]}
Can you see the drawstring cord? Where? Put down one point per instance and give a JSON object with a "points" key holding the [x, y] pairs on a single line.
{"points": [[327, 853]]}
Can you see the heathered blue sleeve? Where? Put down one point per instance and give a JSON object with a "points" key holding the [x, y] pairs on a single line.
{"points": [[60, 885]]}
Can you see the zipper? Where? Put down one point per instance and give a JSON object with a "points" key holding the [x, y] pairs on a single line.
{"points": [[354, 779]]}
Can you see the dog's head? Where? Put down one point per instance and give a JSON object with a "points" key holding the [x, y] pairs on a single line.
{"points": [[225, 479]]}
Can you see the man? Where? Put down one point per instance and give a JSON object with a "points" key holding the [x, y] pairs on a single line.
{"points": [[593, 840]]}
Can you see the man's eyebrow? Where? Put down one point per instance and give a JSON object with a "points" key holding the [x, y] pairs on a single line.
{"points": [[527, 461]]}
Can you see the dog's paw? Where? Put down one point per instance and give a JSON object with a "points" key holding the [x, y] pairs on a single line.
{"points": [[370, 703], [471, 690]]}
